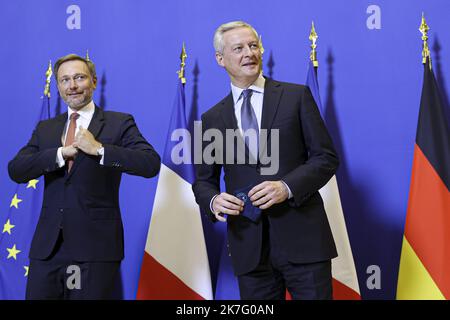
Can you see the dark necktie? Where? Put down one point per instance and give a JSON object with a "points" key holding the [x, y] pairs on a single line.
{"points": [[71, 136], [249, 121]]}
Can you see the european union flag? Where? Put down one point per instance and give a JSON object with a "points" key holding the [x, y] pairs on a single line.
{"points": [[18, 227]]}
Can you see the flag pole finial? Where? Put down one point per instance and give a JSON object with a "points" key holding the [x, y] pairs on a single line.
{"points": [[425, 50], [180, 72], [313, 38], [87, 55], [48, 76]]}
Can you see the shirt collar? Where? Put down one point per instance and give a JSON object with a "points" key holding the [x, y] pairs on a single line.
{"points": [[257, 86], [86, 112]]}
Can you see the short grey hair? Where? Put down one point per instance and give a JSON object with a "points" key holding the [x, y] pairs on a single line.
{"points": [[218, 35]]}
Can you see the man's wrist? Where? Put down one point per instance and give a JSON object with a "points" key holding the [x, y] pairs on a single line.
{"points": [[100, 150], [63, 153], [287, 189]]}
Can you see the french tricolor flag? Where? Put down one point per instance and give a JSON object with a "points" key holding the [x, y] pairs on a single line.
{"points": [[175, 264], [345, 280]]}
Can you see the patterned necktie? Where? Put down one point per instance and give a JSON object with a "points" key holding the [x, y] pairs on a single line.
{"points": [[71, 136], [249, 121]]}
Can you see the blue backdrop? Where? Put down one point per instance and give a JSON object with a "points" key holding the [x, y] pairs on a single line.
{"points": [[370, 75]]}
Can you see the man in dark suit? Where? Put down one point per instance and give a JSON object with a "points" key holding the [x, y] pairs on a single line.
{"points": [[77, 246], [290, 246]]}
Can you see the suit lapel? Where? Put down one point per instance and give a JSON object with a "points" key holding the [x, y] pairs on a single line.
{"points": [[96, 125], [272, 94], [56, 135], [227, 113], [97, 122]]}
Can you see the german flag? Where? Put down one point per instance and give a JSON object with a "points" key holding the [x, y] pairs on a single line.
{"points": [[425, 259]]}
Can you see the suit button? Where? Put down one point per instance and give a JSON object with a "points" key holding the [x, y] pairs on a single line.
{"points": [[61, 210]]}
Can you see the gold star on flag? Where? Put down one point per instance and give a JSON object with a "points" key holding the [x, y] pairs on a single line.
{"points": [[13, 252], [32, 184], [7, 227], [15, 201], [26, 270]]}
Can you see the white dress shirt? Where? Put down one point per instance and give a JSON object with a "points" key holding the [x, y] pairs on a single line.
{"points": [[86, 113]]}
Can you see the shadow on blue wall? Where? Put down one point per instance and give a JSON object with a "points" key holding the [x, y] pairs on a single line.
{"points": [[440, 76], [360, 214], [102, 101]]}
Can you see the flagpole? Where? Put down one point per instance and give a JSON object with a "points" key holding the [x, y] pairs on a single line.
{"points": [[424, 30], [313, 38], [181, 72], [48, 76]]}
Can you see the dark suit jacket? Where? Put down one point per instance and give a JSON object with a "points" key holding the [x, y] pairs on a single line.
{"points": [[84, 202], [307, 160]]}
